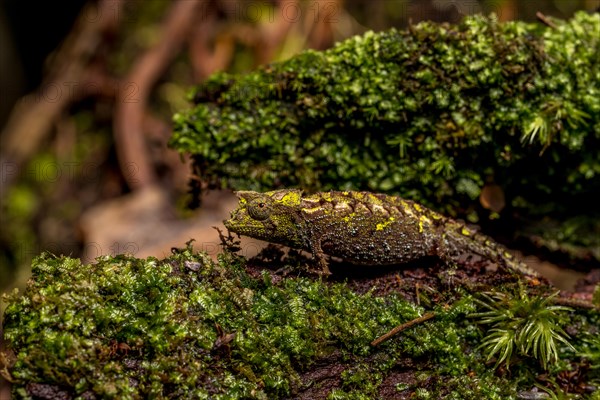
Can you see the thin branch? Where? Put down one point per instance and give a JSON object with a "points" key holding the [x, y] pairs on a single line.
{"points": [[575, 303], [545, 20], [400, 328]]}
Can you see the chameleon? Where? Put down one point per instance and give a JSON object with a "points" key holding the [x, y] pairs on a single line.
{"points": [[361, 228]]}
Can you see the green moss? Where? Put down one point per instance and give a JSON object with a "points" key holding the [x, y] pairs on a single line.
{"points": [[154, 322], [430, 113], [524, 325], [190, 327]]}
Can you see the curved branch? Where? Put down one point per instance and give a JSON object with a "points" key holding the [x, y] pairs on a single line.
{"points": [[133, 95]]}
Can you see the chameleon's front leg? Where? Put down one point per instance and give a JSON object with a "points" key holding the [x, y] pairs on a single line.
{"points": [[319, 256]]}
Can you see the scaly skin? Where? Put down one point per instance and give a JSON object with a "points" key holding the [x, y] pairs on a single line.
{"points": [[361, 228]]}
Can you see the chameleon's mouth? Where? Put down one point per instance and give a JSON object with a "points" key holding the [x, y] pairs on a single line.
{"points": [[231, 222], [240, 222]]}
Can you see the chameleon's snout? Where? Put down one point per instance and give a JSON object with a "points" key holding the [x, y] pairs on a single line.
{"points": [[229, 222], [236, 220]]}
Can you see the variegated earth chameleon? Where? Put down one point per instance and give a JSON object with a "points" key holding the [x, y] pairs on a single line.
{"points": [[361, 228]]}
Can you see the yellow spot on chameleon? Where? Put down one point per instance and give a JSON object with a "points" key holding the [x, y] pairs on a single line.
{"points": [[417, 207], [373, 199], [292, 198], [465, 231], [358, 196], [422, 221], [382, 225]]}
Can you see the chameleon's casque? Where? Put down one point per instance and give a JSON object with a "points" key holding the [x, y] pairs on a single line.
{"points": [[361, 228]]}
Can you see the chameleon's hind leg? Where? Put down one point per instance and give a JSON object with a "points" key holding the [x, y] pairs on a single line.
{"points": [[319, 257], [448, 251]]}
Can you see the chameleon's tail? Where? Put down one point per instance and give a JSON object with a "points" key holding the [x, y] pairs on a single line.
{"points": [[464, 240]]}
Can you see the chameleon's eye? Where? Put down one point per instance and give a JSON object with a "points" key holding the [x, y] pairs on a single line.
{"points": [[259, 209]]}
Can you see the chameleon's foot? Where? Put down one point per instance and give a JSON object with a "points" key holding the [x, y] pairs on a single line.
{"points": [[320, 260], [324, 266], [325, 271], [317, 270], [321, 268]]}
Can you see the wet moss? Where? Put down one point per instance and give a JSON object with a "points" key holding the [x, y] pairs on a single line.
{"points": [[189, 327], [433, 113]]}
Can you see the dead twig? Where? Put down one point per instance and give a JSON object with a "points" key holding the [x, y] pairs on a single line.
{"points": [[400, 328], [545, 20], [577, 303]]}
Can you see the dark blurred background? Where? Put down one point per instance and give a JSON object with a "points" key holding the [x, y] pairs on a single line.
{"points": [[88, 88]]}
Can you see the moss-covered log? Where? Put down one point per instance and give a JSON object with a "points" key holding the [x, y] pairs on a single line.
{"points": [[189, 327], [432, 113]]}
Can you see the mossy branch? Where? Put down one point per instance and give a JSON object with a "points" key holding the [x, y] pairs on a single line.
{"points": [[432, 113], [187, 326]]}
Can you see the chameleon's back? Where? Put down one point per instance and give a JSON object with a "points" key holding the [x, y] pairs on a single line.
{"points": [[371, 229], [378, 229]]}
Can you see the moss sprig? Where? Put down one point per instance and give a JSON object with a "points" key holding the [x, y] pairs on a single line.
{"points": [[522, 325]]}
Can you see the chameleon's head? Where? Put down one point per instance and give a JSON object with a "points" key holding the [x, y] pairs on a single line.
{"points": [[268, 216]]}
